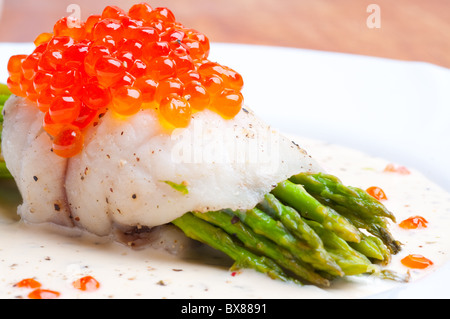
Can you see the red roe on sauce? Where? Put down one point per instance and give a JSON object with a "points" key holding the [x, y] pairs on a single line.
{"points": [[416, 261], [28, 283], [413, 222], [43, 294], [37, 292], [121, 61], [377, 193], [396, 169], [87, 283]]}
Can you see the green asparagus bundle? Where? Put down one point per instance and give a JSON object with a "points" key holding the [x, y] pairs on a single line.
{"points": [[309, 229], [307, 239]]}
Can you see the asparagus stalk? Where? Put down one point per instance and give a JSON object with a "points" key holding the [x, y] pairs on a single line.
{"points": [[4, 90], [355, 204], [369, 247], [373, 247], [355, 199], [215, 237], [296, 196], [291, 219], [385, 235], [351, 261], [264, 225], [4, 173], [262, 245]]}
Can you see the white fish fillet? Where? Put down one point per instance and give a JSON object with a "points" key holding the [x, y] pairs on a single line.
{"points": [[39, 174], [120, 178]]}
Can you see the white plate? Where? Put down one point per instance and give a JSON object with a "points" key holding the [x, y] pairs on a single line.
{"points": [[385, 108]]}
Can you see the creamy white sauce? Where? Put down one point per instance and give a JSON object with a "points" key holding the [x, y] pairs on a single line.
{"points": [[56, 259]]}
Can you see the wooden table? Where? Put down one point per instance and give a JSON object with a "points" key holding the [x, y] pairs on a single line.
{"points": [[406, 29]]}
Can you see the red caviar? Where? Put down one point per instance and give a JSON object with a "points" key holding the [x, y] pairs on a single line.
{"points": [[126, 100], [414, 222], [416, 261], [68, 142], [197, 95], [175, 110], [87, 283], [396, 169], [28, 283], [377, 193], [121, 61], [43, 294]]}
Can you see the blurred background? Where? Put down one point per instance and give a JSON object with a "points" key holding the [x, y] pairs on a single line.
{"points": [[417, 30]]}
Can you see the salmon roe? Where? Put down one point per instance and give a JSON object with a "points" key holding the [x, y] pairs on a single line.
{"points": [[122, 62], [414, 222], [43, 294], [377, 193], [416, 261], [87, 283], [28, 283]]}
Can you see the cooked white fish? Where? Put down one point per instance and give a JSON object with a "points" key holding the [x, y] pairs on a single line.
{"points": [[131, 173]]}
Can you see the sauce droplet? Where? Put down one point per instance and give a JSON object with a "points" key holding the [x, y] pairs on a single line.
{"points": [[397, 169], [87, 283], [28, 283], [43, 294], [377, 193], [414, 222], [416, 261]]}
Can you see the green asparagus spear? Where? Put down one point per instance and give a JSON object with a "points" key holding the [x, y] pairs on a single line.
{"points": [[264, 225], [369, 247], [355, 199], [385, 235], [356, 205], [291, 219], [385, 251], [296, 196], [262, 245], [4, 173], [3, 98], [4, 90], [215, 237], [351, 261]]}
